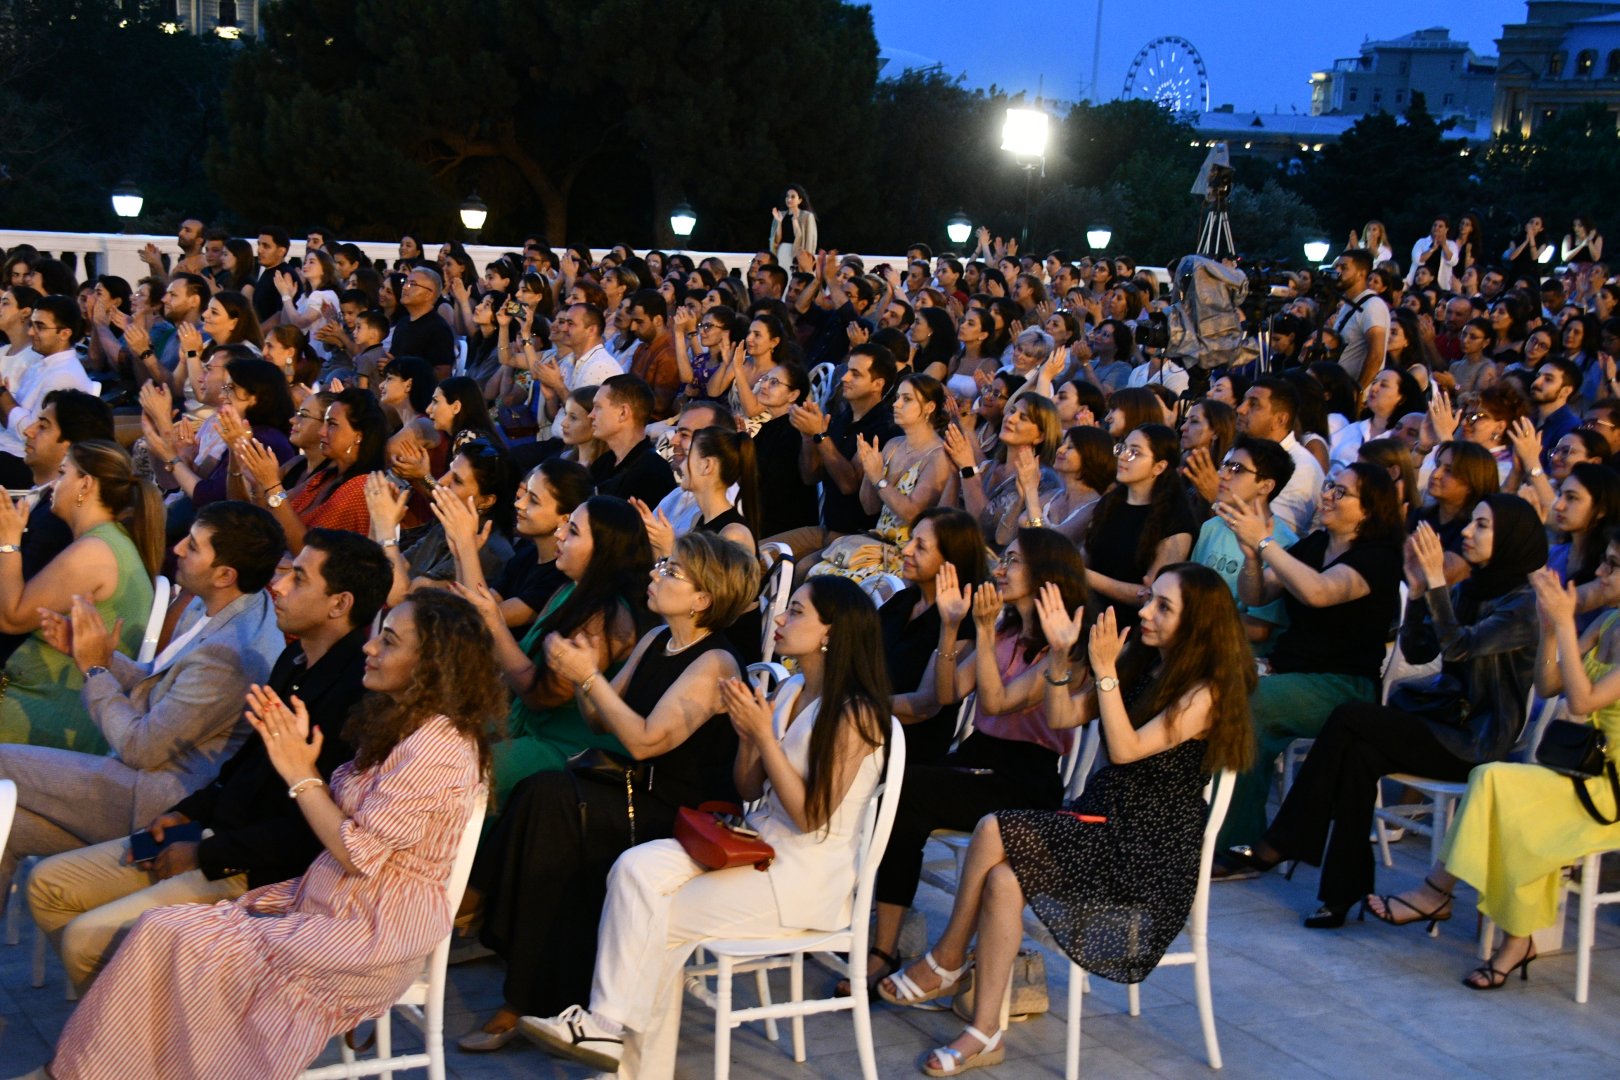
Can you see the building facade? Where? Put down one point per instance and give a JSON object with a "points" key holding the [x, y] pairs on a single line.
{"points": [[1453, 80], [1565, 54], [230, 19]]}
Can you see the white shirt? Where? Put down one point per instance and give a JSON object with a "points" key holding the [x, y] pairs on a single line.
{"points": [[13, 364], [593, 367], [1169, 375], [1448, 259], [1296, 503], [59, 371], [318, 302], [1353, 325]]}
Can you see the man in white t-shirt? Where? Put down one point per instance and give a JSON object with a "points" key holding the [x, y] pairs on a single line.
{"points": [[1269, 411], [1362, 321], [1437, 253], [591, 363]]}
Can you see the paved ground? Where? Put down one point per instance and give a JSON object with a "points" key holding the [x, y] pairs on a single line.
{"points": [[1367, 1000]]}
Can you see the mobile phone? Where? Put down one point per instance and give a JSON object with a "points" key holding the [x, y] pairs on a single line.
{"points": [[143, 848], [514, 308]]}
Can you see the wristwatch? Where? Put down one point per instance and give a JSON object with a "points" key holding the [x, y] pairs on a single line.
{"points": [[819, 437], [1264, 543], [275, 499], [883, 483], [1538, 471], [1106, 684], [969, 471], [93, 670], [8, 549]]}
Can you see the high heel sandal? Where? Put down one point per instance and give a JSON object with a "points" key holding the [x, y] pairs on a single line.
{"points": [[891, 964], [1496, 979], [1241, 863], [1330, 917], [1434, 917], [954, 1061], [906, 992]]}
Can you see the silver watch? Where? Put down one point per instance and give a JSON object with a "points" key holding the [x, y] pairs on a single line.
{"points": [[276, 498]]}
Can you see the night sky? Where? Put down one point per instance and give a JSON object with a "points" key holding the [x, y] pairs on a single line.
{"points": [[1259, 53]]}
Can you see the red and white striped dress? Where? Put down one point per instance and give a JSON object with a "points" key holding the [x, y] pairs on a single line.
{"points": [[257, 986]]}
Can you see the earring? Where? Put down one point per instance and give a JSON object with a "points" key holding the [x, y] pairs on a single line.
{"points": [[80, 500], [823, 644]]}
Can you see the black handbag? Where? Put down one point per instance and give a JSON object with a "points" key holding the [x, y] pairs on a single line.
{"points": [[1438, 698], [605, 767], [1578, 751]]}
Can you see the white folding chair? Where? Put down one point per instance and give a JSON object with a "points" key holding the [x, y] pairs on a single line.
{"points": [[1586, 926], [768, 675], [736, 957], [821, 384], [1219, 795], [154, 620], [423, 1003], [773, 600], [461, 356], [880, 587]]}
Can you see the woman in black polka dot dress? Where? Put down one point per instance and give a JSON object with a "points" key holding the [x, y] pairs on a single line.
{"points": [[1113, 875]]}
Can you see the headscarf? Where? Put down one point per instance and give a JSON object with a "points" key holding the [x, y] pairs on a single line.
{"points": [[1518, 546]]}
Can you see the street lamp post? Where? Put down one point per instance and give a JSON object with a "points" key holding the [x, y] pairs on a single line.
{"points": [[682, 220], [1316, 252], [959, 228], [127, 201], [1024, 134], [474, 213], [1098, 237]]}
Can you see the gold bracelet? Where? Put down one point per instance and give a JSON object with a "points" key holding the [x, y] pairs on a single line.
{"points": [[585, 687]]}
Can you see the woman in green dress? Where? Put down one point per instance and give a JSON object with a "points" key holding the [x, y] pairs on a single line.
{"points": [[1520, 825], [117, 524], [602, 549]]}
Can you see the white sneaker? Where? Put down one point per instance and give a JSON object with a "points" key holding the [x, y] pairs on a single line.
{"points": [[576, 1034]]}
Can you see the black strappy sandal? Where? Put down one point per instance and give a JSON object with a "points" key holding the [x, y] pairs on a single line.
{"points": [[891, 964], [1434, 917]]}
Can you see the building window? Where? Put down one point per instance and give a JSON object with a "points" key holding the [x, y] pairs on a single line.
{"points": [[1400, 96], [1555, 64], [1450, 99], [1614, 63], [1403, 67], [1378, 95], [1585, 61], [1354, 92]]}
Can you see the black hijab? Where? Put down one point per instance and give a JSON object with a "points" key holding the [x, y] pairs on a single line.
{"points": [[1519, 545]]}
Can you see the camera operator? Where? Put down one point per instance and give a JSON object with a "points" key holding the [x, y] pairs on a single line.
{"points": [[1362, 321]]}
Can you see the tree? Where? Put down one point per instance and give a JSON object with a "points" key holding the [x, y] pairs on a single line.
{"points": [[544, 105], [1563, 169], [67, 137]]}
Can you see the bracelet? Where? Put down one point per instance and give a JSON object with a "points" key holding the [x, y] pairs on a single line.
{"points": [[304, 784], [950, 655], [1065, 681], [585, 687]]}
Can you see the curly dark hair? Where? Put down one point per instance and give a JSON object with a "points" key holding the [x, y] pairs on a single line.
{"points": [[457, 678]]}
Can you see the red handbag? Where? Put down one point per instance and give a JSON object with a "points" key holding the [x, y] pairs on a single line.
{"points": [[715, 843]]}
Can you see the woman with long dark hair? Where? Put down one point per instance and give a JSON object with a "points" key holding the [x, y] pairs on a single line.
{"points": [[1392, 394], [1341, 588], [1027, 444], [933, 342], [602, 549], [1484, 631], [1142, 524], [542, 871], [1086, 466], [1011, 759], [1173, 705], [793, 229], [1464, 473], [350, 935], [1587, 508], [813, 781], [456, 415]]}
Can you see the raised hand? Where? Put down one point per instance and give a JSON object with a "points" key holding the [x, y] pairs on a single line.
{"points": [[870, 458], [749, 710], [460, 520], [1198, 469], [1526, 442], [386, 505], [958, 448], [257, 463], [807, 418], [986, 607], [660, 532], [1555, 600], [1428, 555], [1248, 523], [1062, 629], [951, 598], [410, 460], [574, 658], [1027, 469], [291, 743], [1443, 418], [1106, 643]]}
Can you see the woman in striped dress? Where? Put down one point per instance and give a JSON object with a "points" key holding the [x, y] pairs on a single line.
{"points": [[257, 986]]}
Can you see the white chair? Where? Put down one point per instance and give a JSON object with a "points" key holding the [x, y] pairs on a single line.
{"points": [[461, 356], [736, 957], [1586, 926], [1219, 795], [423, 1003], [880, 587], [768, 675], [773, 600], [821, 384], [161, 596]]}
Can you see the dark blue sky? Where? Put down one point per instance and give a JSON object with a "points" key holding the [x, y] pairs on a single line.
{"points": [[1259, 53]]}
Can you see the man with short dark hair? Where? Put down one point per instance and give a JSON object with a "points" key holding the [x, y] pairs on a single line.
{"points": [[1556, 382], [53, 327], [770, 282], [424, 333], [579, 329], [169, 723], [192, 259], [316, 240], [1362, 322], [1253, 469], [1268, 411], [629, 468], [213, 271], [273, 246], [182, 303], [680, 506], [85, 900], [1448, 337], [654, 362], [348, 258]]}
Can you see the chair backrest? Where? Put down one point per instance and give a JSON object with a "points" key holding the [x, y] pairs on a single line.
{"points": [[461, 356], [880, 587], [773, 600], [821, 384], [1077, 763], [8, 810], [876, 825], [1218, 793], [154, 620], [965, 715], [768, 676], [1536, 725]]}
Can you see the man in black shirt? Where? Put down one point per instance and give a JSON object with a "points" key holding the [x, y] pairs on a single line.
{"points": [[273, 245], [425, 333], [90, 898], [631, 467], [66, 417], [827, 449], [846, 301]]}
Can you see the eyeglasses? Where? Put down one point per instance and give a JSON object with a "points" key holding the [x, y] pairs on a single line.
{"points": [[992, 394], [771, 380], [1475, 417], [1562, 451], [1127, 453], [1233, 468], [302, 415], [666, 567], [1335, 492], [707, 325], [1007, 559], [1594, 424]]}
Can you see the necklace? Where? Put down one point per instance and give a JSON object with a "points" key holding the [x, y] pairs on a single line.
{"points": [[678, 649]]}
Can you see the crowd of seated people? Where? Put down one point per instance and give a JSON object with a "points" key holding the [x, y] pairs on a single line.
{"points": [[436, 530]]}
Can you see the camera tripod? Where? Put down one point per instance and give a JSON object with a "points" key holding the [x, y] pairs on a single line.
{"points": [[1215, 240]]}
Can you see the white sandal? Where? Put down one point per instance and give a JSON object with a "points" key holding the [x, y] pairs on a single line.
{"points": [[907, 992], [954, 1061]]}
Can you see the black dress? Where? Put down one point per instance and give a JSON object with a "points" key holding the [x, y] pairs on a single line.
{"points": [[908, 644], [1115, 894], [543, 867], [747, 630]]}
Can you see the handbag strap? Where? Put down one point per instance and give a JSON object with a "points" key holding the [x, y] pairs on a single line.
{"points": [[1586, 796]]}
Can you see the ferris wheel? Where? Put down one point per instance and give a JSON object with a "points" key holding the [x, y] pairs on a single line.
{"points": [[1170, 73]]}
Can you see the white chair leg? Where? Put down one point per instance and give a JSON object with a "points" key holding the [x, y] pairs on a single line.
{"points": [[1206, 999], [433, 1036], [1071, 1057], [1586, 928], [722, 1018], [343, 1049], [385, 1040], [1378, 826], [796, 992], [1133, 994], [860, 1012], [762, 985]]}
